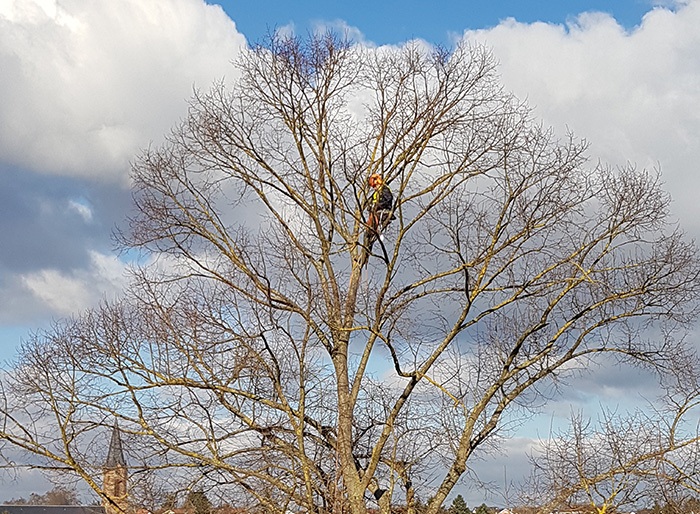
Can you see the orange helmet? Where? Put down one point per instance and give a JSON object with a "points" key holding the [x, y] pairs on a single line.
{"points": [[375, 180]]}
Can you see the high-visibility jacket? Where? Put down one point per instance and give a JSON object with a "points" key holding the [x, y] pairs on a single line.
{"points": [[382, 199]]}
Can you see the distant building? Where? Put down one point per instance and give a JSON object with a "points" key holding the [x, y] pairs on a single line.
{"points": [[115, 476], [114, 486]]}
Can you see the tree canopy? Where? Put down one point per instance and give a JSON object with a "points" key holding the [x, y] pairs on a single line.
{"points": [[266, 349]]}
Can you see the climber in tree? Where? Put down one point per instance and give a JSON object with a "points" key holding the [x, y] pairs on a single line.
{"points": [[380, 207]]}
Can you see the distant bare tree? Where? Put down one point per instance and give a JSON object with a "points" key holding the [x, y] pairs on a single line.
{"points": [[56, 496], [625, 461], [275, 348]]}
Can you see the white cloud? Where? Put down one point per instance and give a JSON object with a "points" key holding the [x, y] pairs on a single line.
{"points": [[69, 293], [82, 209], [341, 27], [632, 94], [86, 83]]}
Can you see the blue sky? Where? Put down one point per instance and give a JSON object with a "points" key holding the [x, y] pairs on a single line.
{"points": [[392, 22], [86, 84]]}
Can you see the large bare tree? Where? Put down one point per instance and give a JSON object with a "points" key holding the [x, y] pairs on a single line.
{"points": [[276, 348]]}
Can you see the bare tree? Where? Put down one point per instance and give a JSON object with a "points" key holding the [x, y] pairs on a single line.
{"points": [[274, 348], [626, 460], [57, 496]]}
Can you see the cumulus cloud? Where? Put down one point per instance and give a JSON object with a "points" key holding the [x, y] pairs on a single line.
{"points": [[69, 293], [632, 94], [341, 27], [82, 209], [86, 83]]}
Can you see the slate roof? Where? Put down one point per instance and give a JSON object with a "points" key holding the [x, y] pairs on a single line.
{"points": [[115, 455], [51, 509]]}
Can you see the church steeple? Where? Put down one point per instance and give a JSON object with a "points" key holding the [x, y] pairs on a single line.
{"points": [[115, 454], [114, 484]]}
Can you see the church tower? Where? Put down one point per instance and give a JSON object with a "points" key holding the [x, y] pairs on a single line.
{"points": [[114, 476]]}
